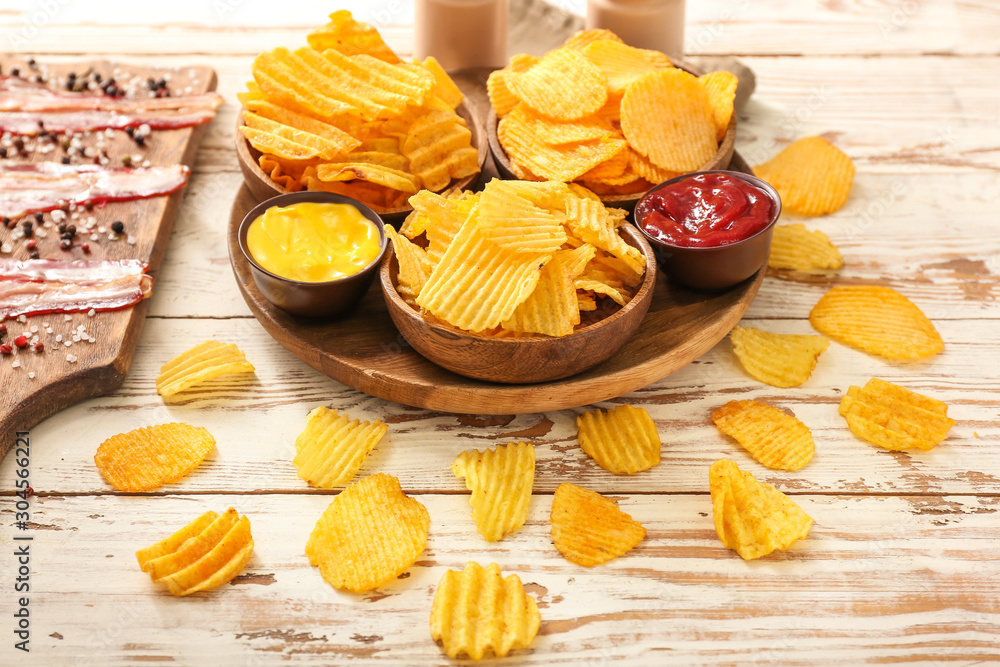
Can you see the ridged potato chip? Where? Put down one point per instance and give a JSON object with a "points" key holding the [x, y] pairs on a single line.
{"points": [[753, 518], [305, 143], [350, 37], [552, 307], [563, 85], [202, 362], [500, 480], [812, 176], [877, 320], [589, 529], [478, 609], [516, 224], [590, 221], [557, 133], [795, 247], [895, 417], [721, 89], [331, 449], [414, 265], [623, 440], [205, 554], [149, 457], [622, 64], [501, 98], [780, 360], [445, 87], [773, 438], [647, 170], [580, 39], [445, 217], [369, 535], [667, 117], [397, 179]]}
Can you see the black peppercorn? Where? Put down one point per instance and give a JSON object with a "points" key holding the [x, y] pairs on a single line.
{"points": [[118, 226]]}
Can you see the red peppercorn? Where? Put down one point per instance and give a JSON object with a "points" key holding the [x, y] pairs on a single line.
{"points": [[6, 349], [85, 247], [39, 346], [3, 329], [21, 341], [32, 244]]}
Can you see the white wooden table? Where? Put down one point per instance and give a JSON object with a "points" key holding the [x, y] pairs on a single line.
{"points": [[903, 563]]}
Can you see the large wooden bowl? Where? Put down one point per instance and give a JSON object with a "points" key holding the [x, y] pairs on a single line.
{"points": [[520, 360], [720, 160], [262, 187]]}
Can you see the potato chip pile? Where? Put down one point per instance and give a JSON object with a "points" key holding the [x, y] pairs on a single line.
{"points": [[202, 362], [519, 258], [344, 115], [149, 457], [616, 118], [205, 554]]}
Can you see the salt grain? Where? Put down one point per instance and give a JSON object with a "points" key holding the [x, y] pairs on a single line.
{"points": [[90, 313], [67, 343], [31, 375], [58, 337], [15, 364], [71, 358]]}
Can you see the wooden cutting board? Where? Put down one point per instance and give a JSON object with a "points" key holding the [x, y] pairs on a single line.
{"points": [[100, 367]]}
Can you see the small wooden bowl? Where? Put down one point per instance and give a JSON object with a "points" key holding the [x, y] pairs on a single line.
{"points": [[720, 160], [520, 360], [262, 187]]}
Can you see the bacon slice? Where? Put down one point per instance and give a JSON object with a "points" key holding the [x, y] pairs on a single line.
{"points": [[23, 103], [37, 286], [37, 187]]}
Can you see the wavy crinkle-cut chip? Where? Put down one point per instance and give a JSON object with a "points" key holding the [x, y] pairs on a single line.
{"points": [[326, 139], [500, 480], [445, 217], [438, 145], [878, 320], [552, 308], [563, 85], [345, 128], [369, 535], [395, 87], [589, 529], [149, 457], [202, 362], [565, 162], [556, 133], [478, 609], [599, 287], [813, 176], [895, 417], [775, 439], [205, 554], [331, 449], [444, 87], [795, 247], [350, 37], [780, 360], [279, 83], [616, 268], [516, 224], [396, 179], [372, 194], [667, 117], [622, 64], [623, 440], [414, 265], [477, 285], [590, 221], [753, 518], [501, 98], [580, 39], [283, 172], [647, 170], [721, 89]]}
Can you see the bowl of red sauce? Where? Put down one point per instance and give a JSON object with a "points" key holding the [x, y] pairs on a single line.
{"points": [[711, 229]]}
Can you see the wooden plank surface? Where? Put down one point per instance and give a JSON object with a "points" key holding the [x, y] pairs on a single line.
{"points": [[901, 566]]}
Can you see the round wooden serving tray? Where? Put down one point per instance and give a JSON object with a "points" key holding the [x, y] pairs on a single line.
{"points": [[262, 187], [366, 352]]}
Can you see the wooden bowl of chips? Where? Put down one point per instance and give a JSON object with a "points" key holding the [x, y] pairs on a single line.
{"points": [[528, 359], [264, 187], [627, 196]]}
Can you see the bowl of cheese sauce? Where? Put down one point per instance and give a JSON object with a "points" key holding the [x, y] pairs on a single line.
{"points": [[313, 254]]}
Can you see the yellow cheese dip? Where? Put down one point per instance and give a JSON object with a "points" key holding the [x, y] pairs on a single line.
{"points": [[313, 242]]}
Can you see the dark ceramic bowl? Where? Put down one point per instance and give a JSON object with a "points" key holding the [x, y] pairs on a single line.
{"points": [[324, 300], [721, 267]]}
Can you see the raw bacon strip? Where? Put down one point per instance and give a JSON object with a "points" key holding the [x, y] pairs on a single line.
{"points": [[37, 286], [18, 94], [30, 123], [38, 187]]}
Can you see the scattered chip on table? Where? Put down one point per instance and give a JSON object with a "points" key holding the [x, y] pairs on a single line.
{"points": [[795, 247], [479, 610], [149, 457], [622, 440], [331, 449], [368, 535], [202, 362], [775, 439], [753, 518], [589, 529], [500, 480], [780, 360], [878, 320], [205, 554], [812, 176], [894, 417]]}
